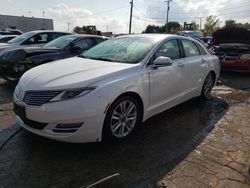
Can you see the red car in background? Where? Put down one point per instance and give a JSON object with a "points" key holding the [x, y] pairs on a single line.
{"points": [[232, 46]]}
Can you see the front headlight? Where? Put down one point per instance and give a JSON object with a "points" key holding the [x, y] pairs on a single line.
{"points": [[72, 93]]}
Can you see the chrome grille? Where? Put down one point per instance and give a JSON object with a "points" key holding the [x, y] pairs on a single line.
{"points": [[38, 98]]}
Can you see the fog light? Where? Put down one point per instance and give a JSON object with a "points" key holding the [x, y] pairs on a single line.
{"points": [[69, 125]]}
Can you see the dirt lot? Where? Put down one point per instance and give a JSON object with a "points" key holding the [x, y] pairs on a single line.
{"points": [[196, 144]]}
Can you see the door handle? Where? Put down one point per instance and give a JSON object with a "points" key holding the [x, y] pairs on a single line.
{"points": [[203, 60], [180, 65]]}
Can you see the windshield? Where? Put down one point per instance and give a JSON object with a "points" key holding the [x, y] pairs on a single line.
{"points": [[61, 42], [21, 38], [124, 50]]}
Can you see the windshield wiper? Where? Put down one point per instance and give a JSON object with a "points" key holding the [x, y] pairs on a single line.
{"points": [[81, 56], [100, 58], [96, 58]]}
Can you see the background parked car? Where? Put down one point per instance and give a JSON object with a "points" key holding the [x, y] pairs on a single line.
{"points": [[13, 63], [208, 41], [6, 38], [33, 38], [233, 57], [9, 31], [232, 46], [231, 35]]}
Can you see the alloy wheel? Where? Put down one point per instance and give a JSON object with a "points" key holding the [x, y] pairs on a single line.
{"points": [[123, 118], [208, 86]]}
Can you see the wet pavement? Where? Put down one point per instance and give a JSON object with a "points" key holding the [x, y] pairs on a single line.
{"points": [[196, 144]]}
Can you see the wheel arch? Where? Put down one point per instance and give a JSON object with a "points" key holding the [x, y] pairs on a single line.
{"points": [[214, 76], [136, 96]]}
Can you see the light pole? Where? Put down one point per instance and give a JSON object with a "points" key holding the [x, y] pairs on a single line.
{"points": [[68, 26], [131, 13], [168, 1]]}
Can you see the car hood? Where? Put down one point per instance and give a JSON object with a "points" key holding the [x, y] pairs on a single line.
{"points": [[71, 73], [18, 54]]}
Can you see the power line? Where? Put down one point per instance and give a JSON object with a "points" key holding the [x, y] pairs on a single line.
{"points": [[160, 18], [222, 9], [140, 12]]}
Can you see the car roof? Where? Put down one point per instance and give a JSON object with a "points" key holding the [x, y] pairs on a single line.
{"points": [[48, 31], [86, 35], [157, 36]]}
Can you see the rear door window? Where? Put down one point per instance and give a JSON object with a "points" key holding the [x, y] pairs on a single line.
{"points": [[190, 49]]}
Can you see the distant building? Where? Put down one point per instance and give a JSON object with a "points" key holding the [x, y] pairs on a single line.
{"points": [[25, 23]]}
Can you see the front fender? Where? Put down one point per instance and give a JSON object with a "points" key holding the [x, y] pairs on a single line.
{"points": [[136, 83]]}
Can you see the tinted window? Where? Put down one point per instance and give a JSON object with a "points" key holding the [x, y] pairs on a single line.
{"points": [[85, 44], [21, 38], [6, 39], [190, 49], [169, 49], [38, 39], [99, 40], [55, 35], [61, 42]]}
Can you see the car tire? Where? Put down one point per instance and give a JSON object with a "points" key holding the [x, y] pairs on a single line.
{"points": [[122, 119], [207, 87]]}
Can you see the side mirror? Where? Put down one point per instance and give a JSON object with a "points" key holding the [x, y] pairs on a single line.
{"points": [[163, 61]]}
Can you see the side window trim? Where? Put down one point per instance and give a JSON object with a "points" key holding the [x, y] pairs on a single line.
{"points": [[182, 52], [200, 48]]}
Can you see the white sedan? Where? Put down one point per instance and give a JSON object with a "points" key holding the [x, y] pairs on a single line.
{"points": [[107, 91]]}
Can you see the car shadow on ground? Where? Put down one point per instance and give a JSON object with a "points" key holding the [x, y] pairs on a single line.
{"points": [[157, 147]]}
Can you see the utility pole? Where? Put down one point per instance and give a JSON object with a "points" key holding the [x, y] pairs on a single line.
{"points": [[131, 12], [200, 22], [68, 26], [43, 21], [168, 1]]}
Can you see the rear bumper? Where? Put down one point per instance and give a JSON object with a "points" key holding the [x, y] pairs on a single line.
{"points": [[235, 65]]}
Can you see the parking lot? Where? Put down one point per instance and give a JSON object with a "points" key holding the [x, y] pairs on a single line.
{"points": [[198, 143]]}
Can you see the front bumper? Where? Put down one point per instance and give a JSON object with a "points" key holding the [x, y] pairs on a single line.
{"points": [[88, 111], [8, 71]]}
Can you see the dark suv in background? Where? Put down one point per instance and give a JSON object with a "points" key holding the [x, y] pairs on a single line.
{"points": [[13, 63]]}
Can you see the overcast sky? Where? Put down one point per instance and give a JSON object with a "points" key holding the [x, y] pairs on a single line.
{"points": [[113, 15]]}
